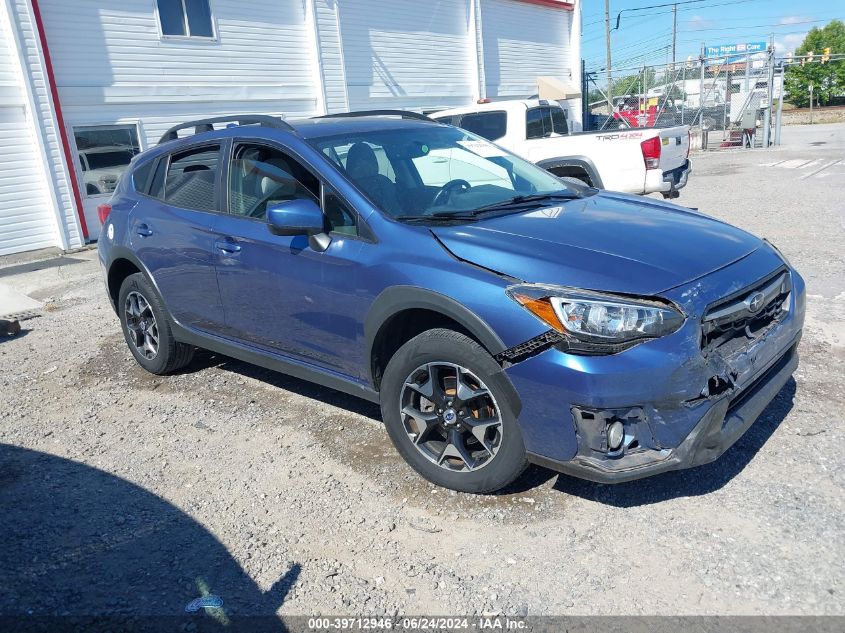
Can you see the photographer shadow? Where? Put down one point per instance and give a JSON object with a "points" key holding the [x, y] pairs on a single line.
{"points": [[81, 547]]}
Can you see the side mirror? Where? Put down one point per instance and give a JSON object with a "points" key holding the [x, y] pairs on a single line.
{"points": [[295, 217], [299, 217]]}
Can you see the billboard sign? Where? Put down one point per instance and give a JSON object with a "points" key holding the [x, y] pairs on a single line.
{"points": [[734, 52]]}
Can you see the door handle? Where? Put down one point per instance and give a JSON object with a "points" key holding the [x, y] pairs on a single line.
{"points": [[143, 230], [229, 247]]}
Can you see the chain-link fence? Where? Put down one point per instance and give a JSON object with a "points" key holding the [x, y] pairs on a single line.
{"points": [[728, 103]]}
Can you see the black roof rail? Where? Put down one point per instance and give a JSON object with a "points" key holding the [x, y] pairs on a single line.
{"points": [[207, 125], [405, 114]]}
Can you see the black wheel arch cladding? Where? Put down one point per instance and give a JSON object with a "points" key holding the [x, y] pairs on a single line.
{"points": [[397, 299]]}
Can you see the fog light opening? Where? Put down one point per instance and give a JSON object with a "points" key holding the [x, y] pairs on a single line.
{"points": [[615, 435]]}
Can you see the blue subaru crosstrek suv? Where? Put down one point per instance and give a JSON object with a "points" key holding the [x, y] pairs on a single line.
{"points": [[499, 315]]}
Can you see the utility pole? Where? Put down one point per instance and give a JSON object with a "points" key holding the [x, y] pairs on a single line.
{"points": [[609, 74], [674, 32], [770, 90], [811, 102]]}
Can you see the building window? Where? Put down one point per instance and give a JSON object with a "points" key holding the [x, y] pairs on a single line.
{"points": [[185, 18], [104, 154]]}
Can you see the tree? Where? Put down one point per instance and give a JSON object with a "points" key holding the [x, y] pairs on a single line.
{"points": [[828, 79], [635, 84]]}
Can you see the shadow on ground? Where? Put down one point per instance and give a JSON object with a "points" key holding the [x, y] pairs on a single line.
{"points": [[13, 337], [685, 483], [79, 543], [205, 359], [693, 482]]}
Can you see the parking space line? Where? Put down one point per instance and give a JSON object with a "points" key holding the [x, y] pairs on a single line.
{"points": [[818, 171], [793, 164]]}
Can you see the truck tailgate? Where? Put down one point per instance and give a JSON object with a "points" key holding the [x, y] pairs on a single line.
{"points": [[674, 147]]}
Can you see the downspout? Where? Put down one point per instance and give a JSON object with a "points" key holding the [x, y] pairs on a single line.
{"points": [[477, 43], [60, 122]]}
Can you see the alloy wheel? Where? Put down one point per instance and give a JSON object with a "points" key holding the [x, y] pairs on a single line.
{"points": [[142, 326], [451, 416]]}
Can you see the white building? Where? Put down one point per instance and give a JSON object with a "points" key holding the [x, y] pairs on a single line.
{"points": [[85, 84]]}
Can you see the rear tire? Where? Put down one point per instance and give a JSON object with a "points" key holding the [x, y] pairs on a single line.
{"points": [[146, 328], [579, 178], [462, 434]]}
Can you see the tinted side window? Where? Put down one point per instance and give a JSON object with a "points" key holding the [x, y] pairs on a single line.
{"points": [[141, 176], [156, 189], [559, 125], [489, 125], [534, 127], [191, 177], [448, 120], [341, 218], [262, 176]]}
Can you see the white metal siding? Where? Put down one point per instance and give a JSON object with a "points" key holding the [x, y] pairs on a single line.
{"points": [[32, 175], [26, 220], [523, 41], [113, 66], [332, 70], [406, 53]]}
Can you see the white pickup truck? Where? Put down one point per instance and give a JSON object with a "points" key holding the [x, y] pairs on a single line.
{"points": [[639, 161]]}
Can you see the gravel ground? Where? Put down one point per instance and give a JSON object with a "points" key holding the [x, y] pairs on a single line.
{"points": [[123, 492]]}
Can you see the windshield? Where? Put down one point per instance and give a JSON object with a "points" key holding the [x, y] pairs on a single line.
{"points": [[434, 171]]}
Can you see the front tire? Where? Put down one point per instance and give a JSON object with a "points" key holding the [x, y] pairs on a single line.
{"points": [[445, 403], [146, 328]]}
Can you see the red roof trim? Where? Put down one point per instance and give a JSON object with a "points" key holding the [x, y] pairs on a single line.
{"points": [[60, 121], [557, 4]]}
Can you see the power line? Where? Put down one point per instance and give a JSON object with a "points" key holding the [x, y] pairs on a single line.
{"points": [[709, 6], [751, 26], [637, 44]]}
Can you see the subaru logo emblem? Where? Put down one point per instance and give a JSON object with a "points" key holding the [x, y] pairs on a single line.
{"points": [[755, 302]]}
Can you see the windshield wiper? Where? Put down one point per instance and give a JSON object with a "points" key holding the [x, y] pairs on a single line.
{"points": [[472, 215], [442, 216], [518, 202]]}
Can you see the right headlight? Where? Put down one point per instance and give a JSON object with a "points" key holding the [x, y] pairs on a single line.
{"points": [[598, 318]]}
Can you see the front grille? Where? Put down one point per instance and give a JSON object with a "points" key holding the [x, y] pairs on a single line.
{"points": [[745, 315]]}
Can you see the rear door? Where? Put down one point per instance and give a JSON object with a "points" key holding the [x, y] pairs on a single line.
{"points": [[170, 231]]}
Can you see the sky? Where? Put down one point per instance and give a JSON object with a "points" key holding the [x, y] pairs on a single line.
{"points": [[645, 36]]}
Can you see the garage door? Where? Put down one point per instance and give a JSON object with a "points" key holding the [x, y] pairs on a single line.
{"points": [[26, 218], [406, 54], [522, 41]]}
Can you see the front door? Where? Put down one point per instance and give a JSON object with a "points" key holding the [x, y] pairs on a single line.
{"points": [[278, 292]]}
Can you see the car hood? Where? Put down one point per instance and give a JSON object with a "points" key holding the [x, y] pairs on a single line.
{"points": [[609, 242]]}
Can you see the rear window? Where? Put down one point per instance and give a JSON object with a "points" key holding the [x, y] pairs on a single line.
{"points": [[191, 178], [559, 124], [543, 121], [489, 125]]}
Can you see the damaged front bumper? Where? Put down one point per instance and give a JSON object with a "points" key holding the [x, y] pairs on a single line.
{"points": [[681, 405], [720, 427]]}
